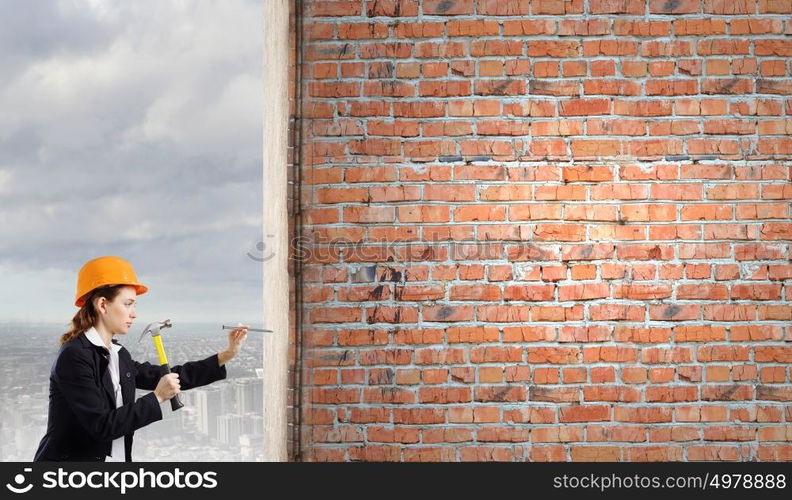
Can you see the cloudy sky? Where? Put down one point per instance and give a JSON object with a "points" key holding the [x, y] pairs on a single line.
{"points": [[131, 129]]}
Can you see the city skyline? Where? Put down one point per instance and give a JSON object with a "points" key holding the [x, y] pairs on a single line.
{"points": [[229, 429]]}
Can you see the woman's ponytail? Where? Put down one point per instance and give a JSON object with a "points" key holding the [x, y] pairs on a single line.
{"points": [[87, 316]]}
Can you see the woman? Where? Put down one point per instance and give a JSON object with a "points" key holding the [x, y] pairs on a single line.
{"points": [[93, 413]]}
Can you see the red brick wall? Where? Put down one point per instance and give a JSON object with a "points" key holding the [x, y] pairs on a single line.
{"points": [[547, 230]]}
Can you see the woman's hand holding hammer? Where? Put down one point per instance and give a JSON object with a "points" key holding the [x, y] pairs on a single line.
{"points": [[167, 387]]}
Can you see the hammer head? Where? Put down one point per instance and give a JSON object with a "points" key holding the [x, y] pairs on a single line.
{"points": [[153, 329]]}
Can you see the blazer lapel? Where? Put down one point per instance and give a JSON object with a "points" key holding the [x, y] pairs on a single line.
{"points": [[103, 356], [107, 382]]}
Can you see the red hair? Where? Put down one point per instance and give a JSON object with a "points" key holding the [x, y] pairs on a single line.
{"points": [[87, 316]]}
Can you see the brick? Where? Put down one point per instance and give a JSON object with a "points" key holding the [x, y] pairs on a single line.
{"points": [[609, 354], [584, 107], [609, 48], [616, 7], [726, 86], [479, 48], [448, 313], [671, 394], [543, 48], [448, 7], [610, 87], [723, 46], [726, 392], [661, 68], [774, 393], [584, 413], [546, 69], [633, 375], [590, 27], [503, 7], [447, 435], [444, 395], [472, 28], [671, 87], [729, 7], [712, 453], [611, 393], [429, 454], [486, 454], [699, 333], [554, 88], [500, 394], [666, 49], [595, 453], [392, 435], [679, 7], [603, 374], [555, 355], [607, 68], [642, 108], [642, 414], [527, 27], [654, 454], [625, 27], [392, 8], [413, 30], [418, 415], [635, 434], [702, 26], [556, 434], [778, 354]]}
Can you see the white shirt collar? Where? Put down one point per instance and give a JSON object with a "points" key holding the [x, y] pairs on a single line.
{"points": [[93, 337]]}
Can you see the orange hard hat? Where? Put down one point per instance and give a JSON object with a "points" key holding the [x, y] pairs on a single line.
{"points": [[107, 270]]}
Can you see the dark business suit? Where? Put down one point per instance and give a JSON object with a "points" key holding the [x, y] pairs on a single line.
{"points": [[83, 419]]}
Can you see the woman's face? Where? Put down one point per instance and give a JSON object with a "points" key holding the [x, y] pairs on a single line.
{"points": [[119, 314]]}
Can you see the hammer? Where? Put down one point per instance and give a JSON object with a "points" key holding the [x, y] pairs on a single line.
{"points": [[153, 329]]}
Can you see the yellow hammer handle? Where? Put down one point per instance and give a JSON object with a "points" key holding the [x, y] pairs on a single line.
{"points": [[160, 350]]}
